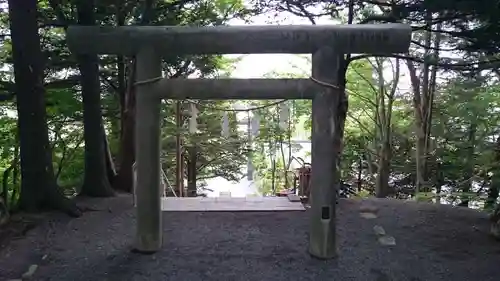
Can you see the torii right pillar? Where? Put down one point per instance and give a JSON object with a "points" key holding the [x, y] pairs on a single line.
{"points": [[324, 174]]}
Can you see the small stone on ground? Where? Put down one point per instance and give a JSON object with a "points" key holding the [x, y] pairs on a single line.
{"points": [[380, 231], [368, 216], [368, 208], [387, 240], [31, 270]]}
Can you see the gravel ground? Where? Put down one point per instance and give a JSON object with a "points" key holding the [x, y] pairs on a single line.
{"points": [[432, 243]]}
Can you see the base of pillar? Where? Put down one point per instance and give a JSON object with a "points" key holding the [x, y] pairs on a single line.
{"points": [[322, 257], [142, 252]]}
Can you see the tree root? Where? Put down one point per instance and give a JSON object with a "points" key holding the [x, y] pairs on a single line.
{"points": [[57, 200], [69, 208], [495, 223], [85, 209], [4, 213], [94, 188]]}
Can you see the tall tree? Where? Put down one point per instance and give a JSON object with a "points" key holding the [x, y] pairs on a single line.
{"points": [[39, 189], [424, 88], [96, 182], [381, 100], [127, 103]]}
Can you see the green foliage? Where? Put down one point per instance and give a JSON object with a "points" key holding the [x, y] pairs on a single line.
{"points": [[64, 101], [464, 131], [217, 156], [462, 102]]}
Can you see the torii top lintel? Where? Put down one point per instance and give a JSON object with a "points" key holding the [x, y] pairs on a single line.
{"points": [[291, 39]]}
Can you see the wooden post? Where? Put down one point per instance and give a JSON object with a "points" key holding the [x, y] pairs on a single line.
{"points": [[250, 168], [149, 220], [182, 165], [179, 171], [191, 170], [324, 177]]}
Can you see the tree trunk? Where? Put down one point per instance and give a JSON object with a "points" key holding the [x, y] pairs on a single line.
{"points": [[360, 174], [341, 106], [493, 193], [124, 179], [469, 163], [4, 212], [423, 108], [96, 181], [494, 189], [383, 171], [179, 159], [192, 171], [440, 181], [39, 189], [423, 100], [108, 158], [383, 102], [121, 64], [4, 195]]}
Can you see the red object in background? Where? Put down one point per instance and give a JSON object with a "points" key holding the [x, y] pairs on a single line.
{"points": [[304, 180], [284, 193]]}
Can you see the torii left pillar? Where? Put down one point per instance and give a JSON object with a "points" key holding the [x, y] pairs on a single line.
{"points": [[147, 142]]}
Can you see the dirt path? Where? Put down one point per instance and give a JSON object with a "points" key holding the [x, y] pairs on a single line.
{"points": [[431, 243]]}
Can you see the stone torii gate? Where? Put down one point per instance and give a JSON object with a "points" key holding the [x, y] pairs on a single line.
{"points": [[326, 43]]}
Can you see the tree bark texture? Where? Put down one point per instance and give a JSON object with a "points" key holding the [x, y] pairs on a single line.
{"points": [[96, 181], [39, 189]]}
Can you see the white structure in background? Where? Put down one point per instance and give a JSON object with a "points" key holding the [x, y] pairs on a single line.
{"points": [[193, 123], [284, 115], [255, 124], [225, 125], [221, 187], [218, 187], [253, 132]]}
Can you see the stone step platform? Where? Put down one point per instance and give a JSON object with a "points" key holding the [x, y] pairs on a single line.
{"points": [[229, 204]]}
